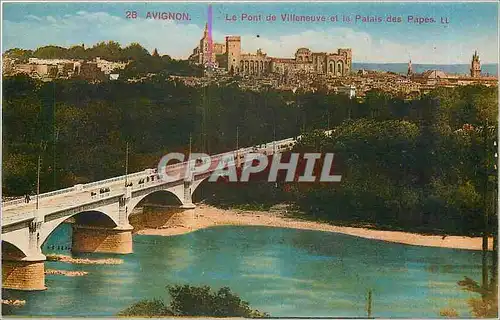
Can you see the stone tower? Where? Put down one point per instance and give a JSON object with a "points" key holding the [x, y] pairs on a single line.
{"points": [[233, 53], [410, 70], [347, 53], [475, 68], [204, 56]]}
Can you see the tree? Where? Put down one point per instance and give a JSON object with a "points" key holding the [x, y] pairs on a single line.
{"points": [[110, 50], [146, 308], [20, 54], [135, 51], [51, 52], [487, 305], [77, 52], [195, 301]]}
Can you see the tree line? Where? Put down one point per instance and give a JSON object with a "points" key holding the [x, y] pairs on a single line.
{"points": [[110, 50], [404, 163], [140, 61], [202, 301]]}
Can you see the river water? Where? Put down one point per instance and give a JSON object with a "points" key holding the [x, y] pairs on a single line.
{"points": [[284, 272]]}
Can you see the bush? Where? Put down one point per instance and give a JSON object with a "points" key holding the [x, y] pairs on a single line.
{"points": [[487, 305], [195, 301], [146, 308]]}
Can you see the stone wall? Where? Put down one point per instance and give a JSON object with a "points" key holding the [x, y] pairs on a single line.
{"points": [[23, 275], [94, 239]]}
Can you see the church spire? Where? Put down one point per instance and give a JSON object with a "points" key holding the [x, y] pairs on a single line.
{"points": [[410, 69], [475, 70], [205, 32]]}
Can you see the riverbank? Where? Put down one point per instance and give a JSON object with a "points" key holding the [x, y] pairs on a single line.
{"points": [[204, 216], [66, 273], [68, 259], [15, 303]]}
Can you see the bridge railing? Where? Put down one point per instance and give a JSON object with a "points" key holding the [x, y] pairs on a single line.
{"points": [[40, 196], [104, 182], [279, 144], [7, 220], [74, 188]]}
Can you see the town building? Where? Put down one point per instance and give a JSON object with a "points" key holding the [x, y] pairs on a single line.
{"points": [[47, 69], [109, 66], [440, 78], [349, 91], [207, 52], [230, 57]]}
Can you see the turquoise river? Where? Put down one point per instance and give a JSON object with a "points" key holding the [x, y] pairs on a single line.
{"points": [[284, 272]]}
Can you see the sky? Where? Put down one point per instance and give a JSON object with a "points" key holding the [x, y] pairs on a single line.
{"points": [[470, 27]]}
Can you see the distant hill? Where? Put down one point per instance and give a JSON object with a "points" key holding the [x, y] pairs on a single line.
{"points": [[111, 51], [490, 69], [141, 61]]}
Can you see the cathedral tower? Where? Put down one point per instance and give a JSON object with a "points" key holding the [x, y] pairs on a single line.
{"points": [[205, 54], [475, 68]]}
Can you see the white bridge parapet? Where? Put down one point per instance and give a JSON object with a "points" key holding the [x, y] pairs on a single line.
{"points": [[106, 205], [79, 187], [268, 148], [111, 197]]}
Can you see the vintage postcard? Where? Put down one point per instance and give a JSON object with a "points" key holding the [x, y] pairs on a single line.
{"points": [[250, 159]]}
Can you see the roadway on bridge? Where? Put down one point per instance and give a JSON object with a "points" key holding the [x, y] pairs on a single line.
{"points": [[75, 198], [63, 201]]}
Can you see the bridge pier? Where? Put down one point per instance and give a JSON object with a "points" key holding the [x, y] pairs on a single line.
{"points": [[187, 202], [102, 239], [26, 274]]}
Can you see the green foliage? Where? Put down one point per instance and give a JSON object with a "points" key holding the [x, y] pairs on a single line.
{"points": [[21, 54], [146, 308], [141, 62], [202, 301], [394, 177], [418, 165], [195, 301], [50, 52], [487, 305]]}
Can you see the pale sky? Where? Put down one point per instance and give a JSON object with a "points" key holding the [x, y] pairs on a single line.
{"points": [[472, 26]]}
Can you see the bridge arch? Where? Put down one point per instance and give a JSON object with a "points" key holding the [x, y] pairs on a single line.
{"points": [[201, 182], [174, 193], [101, 218], [12, 252]]}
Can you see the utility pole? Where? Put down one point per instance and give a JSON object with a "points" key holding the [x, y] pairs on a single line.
{"points": [[54, 134], [494, 266], [190, 144], [274, 132], [38, 179], [43, 145], [328, 121], [204, 122], [126, 166], [238, 146], [237, 137], [485, 213]]}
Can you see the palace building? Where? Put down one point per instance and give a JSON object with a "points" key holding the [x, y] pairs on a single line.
{"points": [[229, 56], [438, 77]]}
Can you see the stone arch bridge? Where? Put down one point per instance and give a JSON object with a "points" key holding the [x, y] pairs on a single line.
{"points": [[100, 218]]}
